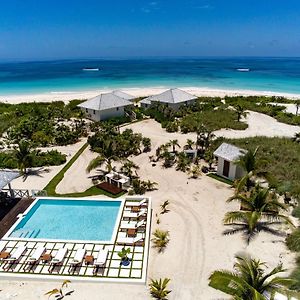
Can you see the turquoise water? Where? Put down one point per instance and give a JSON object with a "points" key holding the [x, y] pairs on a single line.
{"points": [[266, 74], [69, 220]]}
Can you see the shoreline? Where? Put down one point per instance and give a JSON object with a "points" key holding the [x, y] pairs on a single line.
{"points": [[138, 92]]}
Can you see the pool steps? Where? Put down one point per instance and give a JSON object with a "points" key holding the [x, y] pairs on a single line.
{"points": [[21, 233]]}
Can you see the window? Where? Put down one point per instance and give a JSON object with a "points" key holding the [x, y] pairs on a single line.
{"points": [[86, 110], [117, 108], [94, 112]]}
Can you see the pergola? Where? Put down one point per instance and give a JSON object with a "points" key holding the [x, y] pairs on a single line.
{"points": [[6, 176]]}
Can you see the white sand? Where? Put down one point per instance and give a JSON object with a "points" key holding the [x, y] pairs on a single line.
{"points": [[197, 246], [138, 92]]}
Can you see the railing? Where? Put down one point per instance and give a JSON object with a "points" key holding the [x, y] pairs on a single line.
{"points": [[22, 193]]}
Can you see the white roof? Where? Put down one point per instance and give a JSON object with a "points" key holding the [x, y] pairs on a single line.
{"points": [[123, 95], [6, 177], [229, 152], [105, 101], [171, 96]]}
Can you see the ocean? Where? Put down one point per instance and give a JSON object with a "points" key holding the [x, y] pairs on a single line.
{"points": [[265, 74]]}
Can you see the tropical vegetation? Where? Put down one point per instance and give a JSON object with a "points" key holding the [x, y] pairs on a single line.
{"points": [[159, 288], [160, 239], [250, 281]]}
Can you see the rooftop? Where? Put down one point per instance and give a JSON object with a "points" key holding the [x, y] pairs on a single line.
{"points": [[229, 152], [106, 101], [171, 96], [6, 177]]}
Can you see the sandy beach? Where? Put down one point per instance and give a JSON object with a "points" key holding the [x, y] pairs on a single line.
{"points": [[138, 92], [197, 246]]}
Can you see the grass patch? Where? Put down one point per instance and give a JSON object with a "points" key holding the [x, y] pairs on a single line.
{"points": [[92, 191], [212, 120], [51, 186], [220, 178]]}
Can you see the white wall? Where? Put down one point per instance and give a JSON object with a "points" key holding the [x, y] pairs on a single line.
{"points": [[104, 114], [234, 170]]}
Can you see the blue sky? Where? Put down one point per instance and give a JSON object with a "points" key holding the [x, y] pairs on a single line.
{"points": [[46, 29]]}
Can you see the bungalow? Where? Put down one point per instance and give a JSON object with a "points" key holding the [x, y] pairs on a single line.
{"points": [[173, 98], [227, 155], [105, 106]]}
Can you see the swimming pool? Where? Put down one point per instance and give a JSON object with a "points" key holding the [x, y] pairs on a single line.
{"points": [[69, 219]]}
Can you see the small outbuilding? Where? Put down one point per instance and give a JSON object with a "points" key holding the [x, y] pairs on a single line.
{"points": [[105, 106], [227, 155], [173, 98]]}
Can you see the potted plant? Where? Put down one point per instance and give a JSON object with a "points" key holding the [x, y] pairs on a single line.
{"points": [[123, 254]]}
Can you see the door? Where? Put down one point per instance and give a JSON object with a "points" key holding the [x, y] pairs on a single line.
{"points": [[226, 167]]}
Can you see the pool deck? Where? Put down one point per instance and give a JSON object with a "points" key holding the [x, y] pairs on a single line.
{"points": [[113, 270], [8, 221]]}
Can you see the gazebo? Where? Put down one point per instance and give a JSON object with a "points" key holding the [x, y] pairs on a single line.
{"points": [[6, 176]]}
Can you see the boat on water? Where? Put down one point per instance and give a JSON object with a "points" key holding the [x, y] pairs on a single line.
{"points": [[243, 69], [91, 69]]}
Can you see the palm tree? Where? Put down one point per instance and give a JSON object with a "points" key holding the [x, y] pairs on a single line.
{"points": [[160, 239], [128, 168], [250, 223], [195, 171], [249, 280], [209, 158], [147, 144], [174, 144], [23, 154], [241, 112], [183, 162], [259, 199], [149, 185], [164, 207], [169, 159], [189, 144], [158, 288], [107, 156], [59, 293], [250, 164]]}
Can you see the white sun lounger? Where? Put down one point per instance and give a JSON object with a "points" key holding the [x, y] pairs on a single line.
{"points": [[15, 256], [58, 258], [133, 225], [130, 240], [136, 203], [101, 258], [129, 214], [36, 255], [78, 258]]}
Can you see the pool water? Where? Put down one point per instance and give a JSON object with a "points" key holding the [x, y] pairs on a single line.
{"points": [[69, 220]]}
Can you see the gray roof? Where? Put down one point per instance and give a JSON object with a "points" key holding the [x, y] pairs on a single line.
{"points": [[6, 177], [229, 152], [105, 101], [172, 96], [123, 95]]}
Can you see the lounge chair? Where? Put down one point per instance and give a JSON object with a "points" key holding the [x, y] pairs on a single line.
{"points": [[130, 240], [133, 225], [78, 258], [136, 203], [14, 257], [58, 258], [35, 257], [101, 260], [2, 246], [129, 214]]}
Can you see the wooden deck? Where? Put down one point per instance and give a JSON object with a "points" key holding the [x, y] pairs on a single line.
{"points": [[109, 188], [11, 217]]}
